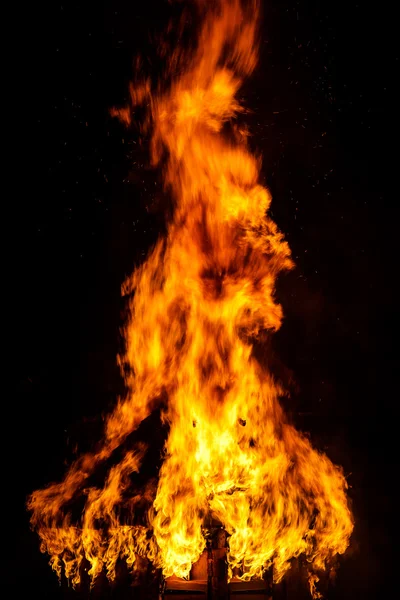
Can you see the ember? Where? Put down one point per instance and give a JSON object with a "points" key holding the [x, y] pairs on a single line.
{"points": [[197, 304]]}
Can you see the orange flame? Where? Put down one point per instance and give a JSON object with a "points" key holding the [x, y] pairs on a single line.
{"points": [[204, 293]]}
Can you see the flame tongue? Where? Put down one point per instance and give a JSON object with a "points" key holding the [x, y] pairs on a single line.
{"points": [[203, 294]]}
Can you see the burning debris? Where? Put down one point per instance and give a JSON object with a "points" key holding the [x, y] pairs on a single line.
{"points": [[204, 294]]}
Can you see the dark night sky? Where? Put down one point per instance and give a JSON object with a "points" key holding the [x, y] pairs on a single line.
{"points": [[322, 118]]}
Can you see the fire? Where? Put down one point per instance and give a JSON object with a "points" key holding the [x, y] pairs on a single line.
{"points": [[204, 294]]}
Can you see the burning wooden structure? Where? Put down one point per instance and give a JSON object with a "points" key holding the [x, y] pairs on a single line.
{"points": [[204, 295], [208, 579]]}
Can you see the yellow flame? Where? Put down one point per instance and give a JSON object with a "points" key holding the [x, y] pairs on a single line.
{"points": [[204, 293]]}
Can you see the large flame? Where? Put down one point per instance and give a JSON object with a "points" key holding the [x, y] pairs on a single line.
{"points": [[204, 293]]}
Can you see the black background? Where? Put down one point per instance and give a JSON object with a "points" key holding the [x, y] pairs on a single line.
{"points": [[87, 211]]}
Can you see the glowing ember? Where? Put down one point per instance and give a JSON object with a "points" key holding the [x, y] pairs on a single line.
{"points": [[204, 293]]}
